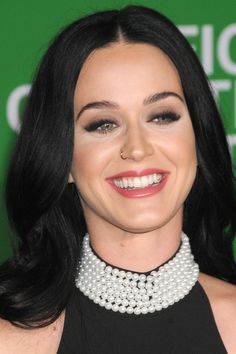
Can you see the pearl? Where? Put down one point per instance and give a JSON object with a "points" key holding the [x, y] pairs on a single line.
{"points": [[133, 293], [122, 274], [128, 275], [125, 302], [118, 301], [115, 271], [115, 307], [122, 309], [144, 310], [130, 310], [133, 303], [130, 296], [108, 269], [141, 284], [137, 311]]}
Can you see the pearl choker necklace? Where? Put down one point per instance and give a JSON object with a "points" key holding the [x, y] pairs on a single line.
{"points": [[136, 293]]}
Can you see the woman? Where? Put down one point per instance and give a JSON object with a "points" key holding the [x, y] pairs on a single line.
{"points": [[121, 140]]}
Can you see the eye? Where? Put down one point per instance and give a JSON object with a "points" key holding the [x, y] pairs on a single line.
{"points": [[102, 126], [164, 118]]}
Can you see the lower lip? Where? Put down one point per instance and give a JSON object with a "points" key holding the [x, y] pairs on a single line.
{"points": [[141, 192]]}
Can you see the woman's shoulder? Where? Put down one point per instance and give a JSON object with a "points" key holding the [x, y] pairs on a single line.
{"points": [[222, 297], [217, 287], [27, 341]]}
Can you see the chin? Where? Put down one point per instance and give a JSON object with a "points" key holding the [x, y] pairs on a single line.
{"points": [[141, 228]]}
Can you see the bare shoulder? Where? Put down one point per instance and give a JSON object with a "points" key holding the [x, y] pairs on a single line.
{"points": [[222, 297], [30, 341]]}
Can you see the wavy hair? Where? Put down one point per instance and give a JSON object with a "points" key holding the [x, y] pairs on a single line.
{"points": [[45, 211]]}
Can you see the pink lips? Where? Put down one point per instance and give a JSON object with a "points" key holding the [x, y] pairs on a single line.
{"points": [[139, 192]]}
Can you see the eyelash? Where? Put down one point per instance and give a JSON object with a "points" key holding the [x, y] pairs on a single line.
{"points": [[96, 126], [169, 117]]}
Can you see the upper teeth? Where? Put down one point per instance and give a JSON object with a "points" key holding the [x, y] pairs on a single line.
{"points": [[138, 182]]}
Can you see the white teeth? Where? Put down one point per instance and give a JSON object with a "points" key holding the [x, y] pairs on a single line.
{"points": [[117, 182], [138, 182], [130, 183], [156, 178], [125, 182], [144, 181], [150, 179], [159, 178]]}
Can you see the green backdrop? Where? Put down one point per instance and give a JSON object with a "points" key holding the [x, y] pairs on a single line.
{"points": [[26, 28]]}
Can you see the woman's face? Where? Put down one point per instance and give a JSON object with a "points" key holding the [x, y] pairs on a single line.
{"points": [[129, 99]]}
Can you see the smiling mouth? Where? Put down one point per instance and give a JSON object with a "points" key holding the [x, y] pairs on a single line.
{"points": [[138, 182]]}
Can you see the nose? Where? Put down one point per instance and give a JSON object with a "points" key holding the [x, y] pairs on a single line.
{"points": [[137, 145]]}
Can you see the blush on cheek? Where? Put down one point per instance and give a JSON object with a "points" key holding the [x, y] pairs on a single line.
{"points": [[79, 156], [84, 164]]}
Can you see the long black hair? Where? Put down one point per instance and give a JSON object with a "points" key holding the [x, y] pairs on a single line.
{"points": [[45, 211]]}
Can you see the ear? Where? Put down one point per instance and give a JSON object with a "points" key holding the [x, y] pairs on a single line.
{"points": [[71, 179]]}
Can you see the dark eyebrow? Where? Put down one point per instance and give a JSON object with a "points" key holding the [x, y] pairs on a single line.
{"points": [[98, 104], [161, 95], [148, 100]]}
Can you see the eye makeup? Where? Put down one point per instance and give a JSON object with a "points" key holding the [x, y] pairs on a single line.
{"points": [[164, 117], [107, 125], [102, 126]]}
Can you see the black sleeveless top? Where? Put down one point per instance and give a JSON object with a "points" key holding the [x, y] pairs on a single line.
{"points": [[187, 327]]}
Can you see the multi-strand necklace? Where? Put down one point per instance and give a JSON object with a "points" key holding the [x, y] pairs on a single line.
{"points": [[136, 293]]}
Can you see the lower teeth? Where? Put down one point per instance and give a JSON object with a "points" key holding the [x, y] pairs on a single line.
{"points": [[149, 185]]}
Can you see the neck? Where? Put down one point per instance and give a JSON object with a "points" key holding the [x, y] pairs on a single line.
{"points": [[131, 269], [129, 251]]}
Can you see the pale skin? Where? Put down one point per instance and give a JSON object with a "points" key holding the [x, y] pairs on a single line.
{"points": [[123, 230]]}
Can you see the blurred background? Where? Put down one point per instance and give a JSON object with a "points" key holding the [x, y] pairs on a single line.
{"points": [[27, 27]]}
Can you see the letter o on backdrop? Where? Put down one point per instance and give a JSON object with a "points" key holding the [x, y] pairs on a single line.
{"points": [[13, 105]]}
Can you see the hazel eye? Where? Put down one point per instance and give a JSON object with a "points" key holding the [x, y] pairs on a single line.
{"points": [[165, 118], [101, 126], [106, 127]]}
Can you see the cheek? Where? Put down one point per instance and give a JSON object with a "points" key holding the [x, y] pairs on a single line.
{"points": [[179, 149], [80, 169], [186, 162], [189, 149], [184, 147], [89, 161], [187, 153]]}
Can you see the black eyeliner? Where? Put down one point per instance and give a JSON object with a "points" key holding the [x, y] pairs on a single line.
{"points": [[169, 115], [96, 124]]}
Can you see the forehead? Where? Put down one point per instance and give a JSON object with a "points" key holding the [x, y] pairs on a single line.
{"points": [[126, 70]]}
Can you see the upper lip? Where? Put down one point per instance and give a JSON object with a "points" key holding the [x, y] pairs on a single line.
{"points": [[138, 173]]}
